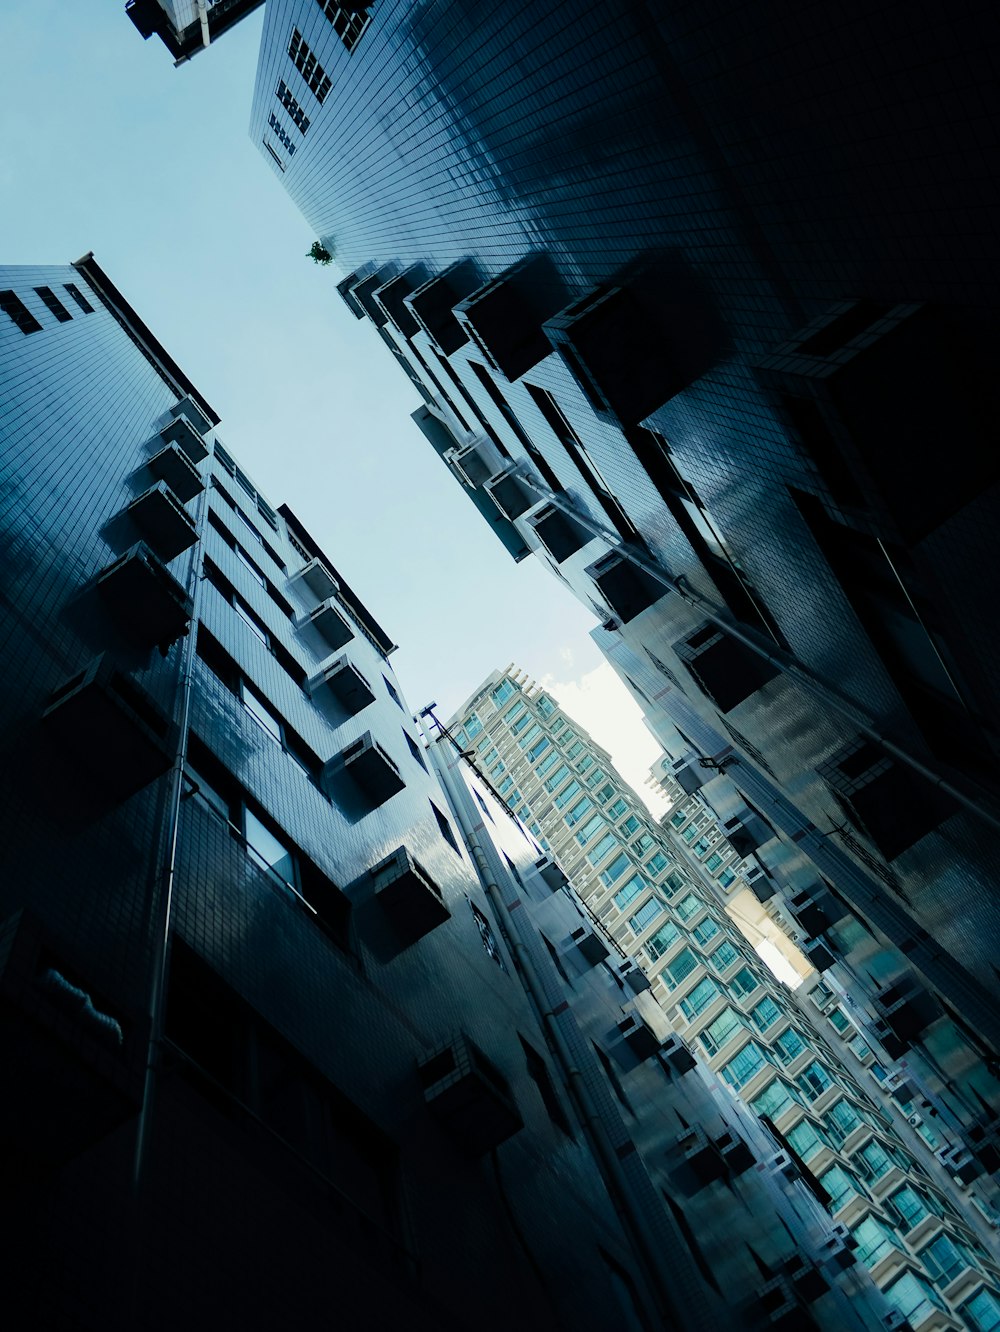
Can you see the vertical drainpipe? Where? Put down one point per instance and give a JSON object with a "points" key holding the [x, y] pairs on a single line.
{"points": [[162, 927], [679, 1294]]}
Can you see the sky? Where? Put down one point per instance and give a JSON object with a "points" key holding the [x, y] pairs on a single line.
{"points": [[107, 147]]}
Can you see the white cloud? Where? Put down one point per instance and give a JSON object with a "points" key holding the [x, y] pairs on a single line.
{"points": [[603, 706]]}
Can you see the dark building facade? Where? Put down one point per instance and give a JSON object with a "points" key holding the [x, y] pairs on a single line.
{"points": [[694, 301], [262, 1064]]}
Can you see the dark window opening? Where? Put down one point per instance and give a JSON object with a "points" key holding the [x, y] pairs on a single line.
{"points": [[445, 829], [840, 330], [308, 66], [391, 691], [79, 297], [611, 1073], [488, 937], [473, 407], [556, 959], [54, 304], [414, 749], [820, 448], [16, 310], [585, 465], [690, 1239], [538, 1071], [242, 1063]]}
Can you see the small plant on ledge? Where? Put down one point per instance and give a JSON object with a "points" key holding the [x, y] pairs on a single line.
{"points": [[319, 254]]}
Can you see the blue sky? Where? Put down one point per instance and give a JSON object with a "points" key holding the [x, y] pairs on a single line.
{"points": [[108, 148]]}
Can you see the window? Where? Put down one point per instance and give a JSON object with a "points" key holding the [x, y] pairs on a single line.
{"points": [[581, 808], [724, 956], [913, 1297], [16, 310], [610, 1072], [473, 726], [590, 829], [557, 725], [596, 777], [806, 1140], [546, 705], [538, 1071], [261, 714], [840, 1185], [842, 1119], [606, 792], [683, 964], [744, 982], [680, 817], [908, 1207], [658, 943], [775, 1100], [630, 891], [250, 620], [249, 565], [874, 1161], [706, 930], [722, 1030], [745, 1066], [298, 117], [607, 844], [944, 1260], [537, 750], [390, 689], [79, 297], [585, 763], [703, 994], [486, 931], [874, 1241], [283, 137], [482, 805], [504, 690], [414, 749], [765, 1014], [547, 764], [570, 793], [498, 769], [982, 1312], [657, 864], [642, 844], [629, 826], [727, 877], [54, 304], [789, 1045], [306, 63], [618, 808], [530, 735], [713, 862], [575, 749], [689, 906], [814, 1081], [645, 916]]}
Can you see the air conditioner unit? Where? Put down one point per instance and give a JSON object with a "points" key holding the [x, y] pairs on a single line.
{"points": [[345, 682], [677, 1055], [915, 1121], [592, 949], [173, 466], [329, 623], [638, 1037], [367, 764], [146, 599], [188, 437], [782, 1164], [318, 579], [510, 493], [559, 532], [469, 1096], [550, 873], [187, 409], [626, 588]]}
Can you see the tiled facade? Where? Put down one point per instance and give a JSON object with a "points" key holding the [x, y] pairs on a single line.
{"points": [[225, 859], [716, 290], [798, 1061]]}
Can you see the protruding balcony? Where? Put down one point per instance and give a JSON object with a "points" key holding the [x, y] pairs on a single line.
{"points": [[469, 1096], [409, 896], [187, 437], [591, 947], [391, 296], [726, 670], [746, 831], [369, 767], [328, 622], [475, 463], [346, 683], [433, 304], [637, 1036], [510, 493], [560, 534], [163, 520], [550, 873], [626, 588], [318, 579], [102, 726], [173, 466], [677, 1055], [145, 598], [505, 317], [907, 1008]]}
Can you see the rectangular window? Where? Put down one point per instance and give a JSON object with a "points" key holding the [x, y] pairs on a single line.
{"points": [[815, 1081], [414, 749], [347, 24], [806, 1140], [530, 735], [283, 137], [579, 810], [473, 726], [722, 1030], [298, 117], [619, 866], [724, 956], [505, 689], [713, 862], [645, 916], [629, 892], [775, 1100], [744, 1066], [619, 807], [789, 1045], [703, 994], [590, 829], [261, 714], [705, 931], [390, 689], [604, 847], [538, 749], [250, 621], [557, 778], [657, 864], [585, 763], [306, 63], [16, 310], [54, 304], [689, 906], [248, 564], [765, 1014], [445, 828], [570, 793], [547, 764], [682, 965], [657, 944], [79, 297], [744, 982]]}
